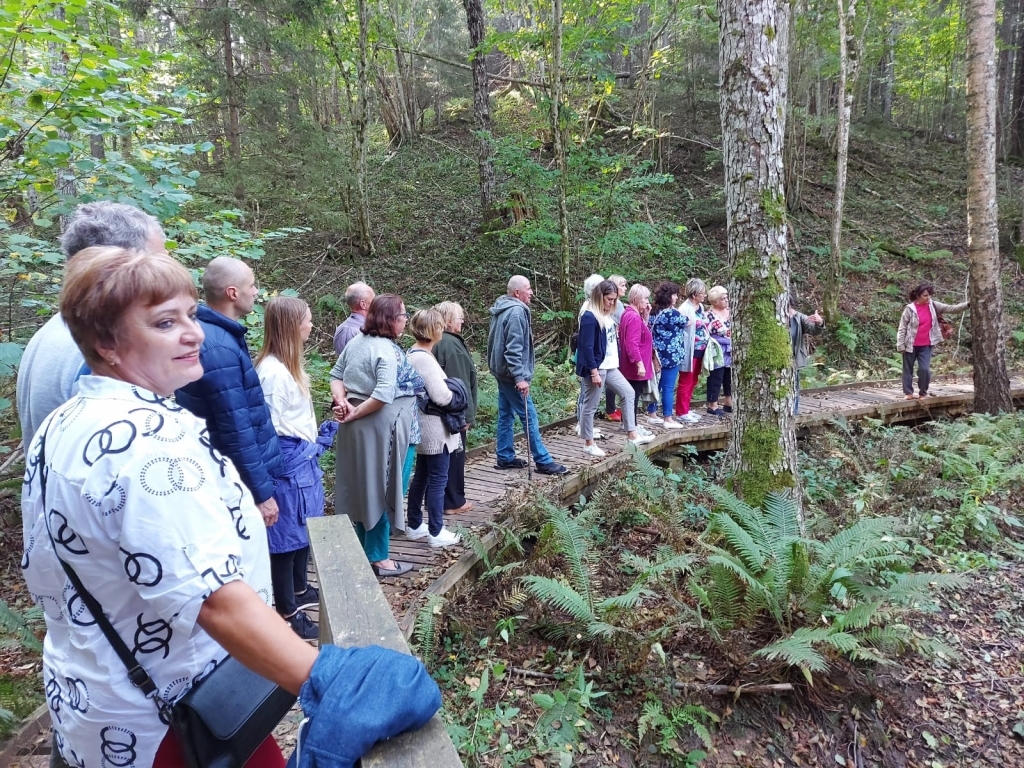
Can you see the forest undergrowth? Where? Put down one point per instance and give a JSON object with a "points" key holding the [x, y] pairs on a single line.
{"points": [[659, 621]]}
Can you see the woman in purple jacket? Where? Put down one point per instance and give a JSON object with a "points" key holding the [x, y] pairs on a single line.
{"points": [[636, 346], [300, 489], [720, 327]]}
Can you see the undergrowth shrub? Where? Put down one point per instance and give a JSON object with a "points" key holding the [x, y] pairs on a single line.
{"points": [[802, 600]]}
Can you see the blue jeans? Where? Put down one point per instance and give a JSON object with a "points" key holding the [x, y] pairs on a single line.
{"points": [[510, 405], [669, 376], [429, 480]]}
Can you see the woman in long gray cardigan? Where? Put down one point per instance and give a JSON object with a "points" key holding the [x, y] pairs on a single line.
{"points": [[918, 333], [457, 363], [437, 444], [375, 432]]}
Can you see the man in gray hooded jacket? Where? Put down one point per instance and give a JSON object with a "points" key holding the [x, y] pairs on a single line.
{"points": [[510, 357]]}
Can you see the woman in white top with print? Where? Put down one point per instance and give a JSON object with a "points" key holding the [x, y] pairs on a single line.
{"points": [[155, 522], [300, 492]]}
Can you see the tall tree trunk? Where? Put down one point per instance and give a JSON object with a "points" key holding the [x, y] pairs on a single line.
{"points": [[475, 21], [565, 303], [889, 70], [232, 127], [67, 188], [849, 60], [1004, 74], [1016, 139], [753, 41], [360, 127], [991, 379]]}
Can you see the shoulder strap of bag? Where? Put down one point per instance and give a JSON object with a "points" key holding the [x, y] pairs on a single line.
{"points": [[137, 674]]}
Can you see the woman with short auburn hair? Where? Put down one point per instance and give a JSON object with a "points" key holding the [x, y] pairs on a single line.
{"points": [[287, 323], [433, 454], [455, 360], [377, 420], [123, 488]]}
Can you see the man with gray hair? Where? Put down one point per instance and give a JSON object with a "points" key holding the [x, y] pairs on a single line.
{"points": [[52, 363], [510, 356], [358, 296]]}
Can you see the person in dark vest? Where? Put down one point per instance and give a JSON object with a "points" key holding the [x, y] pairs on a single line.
{"points": [[456, 361], [229, 397]]}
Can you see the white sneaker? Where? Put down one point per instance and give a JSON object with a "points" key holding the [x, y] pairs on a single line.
{"points": [[643, 431], [673, 424], [417, 533], [691, 417], [444, 538], [655, 420], [598, 434], [642, 439], [593, 450]]}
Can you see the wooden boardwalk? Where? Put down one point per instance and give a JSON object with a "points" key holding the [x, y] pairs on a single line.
{"points": [[489, 489]]}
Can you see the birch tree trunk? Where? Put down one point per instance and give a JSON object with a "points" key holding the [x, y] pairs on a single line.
{"points": [[991, 379], [232, 128], [753, 40], [561, 161], [849, 61], [482, 111], [360, 120]]}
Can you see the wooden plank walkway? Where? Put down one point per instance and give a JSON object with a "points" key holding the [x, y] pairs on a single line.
{"points": [[437, 571]]}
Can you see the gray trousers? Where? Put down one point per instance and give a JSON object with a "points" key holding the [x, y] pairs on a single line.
{"points": [[923, 357], [613, 381]]}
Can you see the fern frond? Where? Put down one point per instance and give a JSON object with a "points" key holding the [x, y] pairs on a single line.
{"points": [[652, 715], [574, 545], [560, 596], [425, 629], [749, 580], [626, 601], [869, 536], [513, 601], [920, 586], [797, 650], [643, 464], [476, 544], [741, 542], [779, 512], [744, 514], [20, 625]]}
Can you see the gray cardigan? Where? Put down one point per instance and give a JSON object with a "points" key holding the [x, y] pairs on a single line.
{"points": [[909, 323], [435, 437]]}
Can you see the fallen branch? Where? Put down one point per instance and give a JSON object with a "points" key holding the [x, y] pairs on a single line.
{"points": [[532, 673], [729, 690]]}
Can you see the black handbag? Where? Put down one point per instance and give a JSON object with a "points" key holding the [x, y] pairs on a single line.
{"points": [[224, 717]]}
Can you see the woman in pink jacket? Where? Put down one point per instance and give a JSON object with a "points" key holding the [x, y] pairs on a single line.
{"points": [[636, 346]]}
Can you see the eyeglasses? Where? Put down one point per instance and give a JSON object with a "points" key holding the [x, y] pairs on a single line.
{"points": [[406, 315]]}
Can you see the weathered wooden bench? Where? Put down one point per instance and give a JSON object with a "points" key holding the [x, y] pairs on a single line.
{"points": [[354, 611]]}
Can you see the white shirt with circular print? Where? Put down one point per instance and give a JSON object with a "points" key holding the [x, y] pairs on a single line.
{"points": [[153, 519]]}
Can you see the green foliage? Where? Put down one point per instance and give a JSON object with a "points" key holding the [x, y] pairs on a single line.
{"points": [[564, 717], [425, 629], [845, 335], [21, 628], [669, 729], [843, 595]]}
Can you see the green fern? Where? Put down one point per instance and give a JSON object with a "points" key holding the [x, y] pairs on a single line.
{"points": [[22, 625], [642, 463], [576, 546], [425, 629]]}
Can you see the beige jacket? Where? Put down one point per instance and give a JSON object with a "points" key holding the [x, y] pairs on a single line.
{"points": [[909, 323]]}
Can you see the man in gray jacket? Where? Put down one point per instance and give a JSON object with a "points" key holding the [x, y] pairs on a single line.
{"points": [[50, 367], [510, 357]]}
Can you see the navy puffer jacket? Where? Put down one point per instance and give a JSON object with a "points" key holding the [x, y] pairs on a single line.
{"points": [[230, 400]]}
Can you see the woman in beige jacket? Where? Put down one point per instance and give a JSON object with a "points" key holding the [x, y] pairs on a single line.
{"points": [[920, 331]]}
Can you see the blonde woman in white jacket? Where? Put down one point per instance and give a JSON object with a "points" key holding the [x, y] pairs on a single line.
{"points": [[918, 333]]}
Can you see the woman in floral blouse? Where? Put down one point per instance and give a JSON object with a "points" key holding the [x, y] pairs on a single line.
{"points": [[668, 328]]}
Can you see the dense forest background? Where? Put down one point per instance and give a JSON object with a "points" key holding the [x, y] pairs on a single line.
{"points": [[340, 141]]}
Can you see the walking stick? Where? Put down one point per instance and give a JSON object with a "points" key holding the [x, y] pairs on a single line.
{"points": [[526, 428]]}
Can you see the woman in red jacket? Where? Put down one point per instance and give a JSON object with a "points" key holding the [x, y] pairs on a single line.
{"points": [[636, 345]]}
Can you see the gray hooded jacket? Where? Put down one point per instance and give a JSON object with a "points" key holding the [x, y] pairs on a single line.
{"points": [[510, 341]]}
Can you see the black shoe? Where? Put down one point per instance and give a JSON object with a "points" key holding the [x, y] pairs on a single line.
{"points": [[554, 468], [716, 411], [303, 626], [727, 408], [514, 464], [308, 599]]}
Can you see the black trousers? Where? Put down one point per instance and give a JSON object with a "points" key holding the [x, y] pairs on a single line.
{"points": [[288, 573], [719, 380], [455, 490]]}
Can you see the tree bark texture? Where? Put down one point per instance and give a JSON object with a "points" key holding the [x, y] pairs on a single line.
{"points": [[753, 37], [991, 379], [360, 119], [849, 59], [232, 129], [558, 131], [476, 24], [1016, 138]]}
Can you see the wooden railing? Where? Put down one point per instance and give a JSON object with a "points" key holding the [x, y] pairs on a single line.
{"points": [[354, 612]]}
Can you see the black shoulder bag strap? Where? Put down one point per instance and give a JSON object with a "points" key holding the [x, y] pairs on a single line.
{"points": [[137, 674]]}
